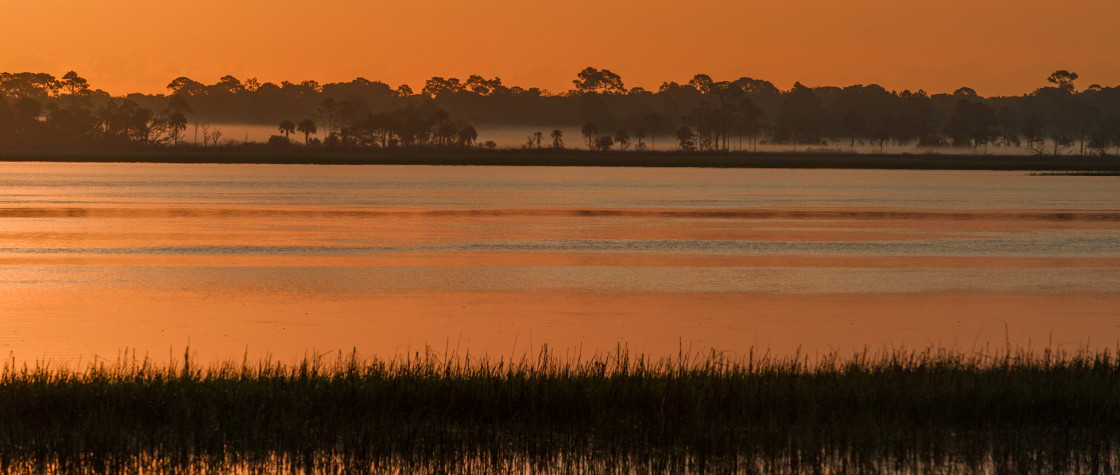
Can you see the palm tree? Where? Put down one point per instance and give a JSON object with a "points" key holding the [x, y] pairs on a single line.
{"points": [[557, 139], [538, 136], [287, 127], [307, 126], [590, 132], [622, 137]]}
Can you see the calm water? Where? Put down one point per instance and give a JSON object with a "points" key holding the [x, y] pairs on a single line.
{"points": [[288, 260]]}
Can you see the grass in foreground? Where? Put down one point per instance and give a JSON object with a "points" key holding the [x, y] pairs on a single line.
{"points": [[904, 411]]}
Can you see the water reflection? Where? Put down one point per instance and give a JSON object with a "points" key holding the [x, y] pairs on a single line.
{"points": [[282, 259]]}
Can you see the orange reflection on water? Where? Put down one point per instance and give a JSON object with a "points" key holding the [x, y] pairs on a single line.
{"points": [[501, 324], [284, 261]]}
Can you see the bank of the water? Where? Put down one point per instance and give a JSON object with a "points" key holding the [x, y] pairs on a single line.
{"points": [[564, 158], [928, 411], [1087, 173]]}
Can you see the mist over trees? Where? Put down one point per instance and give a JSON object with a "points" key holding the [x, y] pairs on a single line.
{"points": [[38, 111], [703, 114]]}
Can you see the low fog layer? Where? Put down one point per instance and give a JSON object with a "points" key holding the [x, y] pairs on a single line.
{"points": [[513, 138]]}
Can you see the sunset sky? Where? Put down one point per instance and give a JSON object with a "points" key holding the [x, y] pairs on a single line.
{"points": [[998, 47]]}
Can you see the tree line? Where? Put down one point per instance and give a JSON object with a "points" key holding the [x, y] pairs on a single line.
{"points": [[37, 109]]}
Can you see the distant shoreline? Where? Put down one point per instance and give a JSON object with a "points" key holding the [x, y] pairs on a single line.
{"points": [[579, 158]]}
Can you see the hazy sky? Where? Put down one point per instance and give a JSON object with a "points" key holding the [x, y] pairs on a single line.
{"points": [[994, 46]]}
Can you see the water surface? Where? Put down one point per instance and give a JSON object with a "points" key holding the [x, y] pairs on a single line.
{"points": [[287, 260]]}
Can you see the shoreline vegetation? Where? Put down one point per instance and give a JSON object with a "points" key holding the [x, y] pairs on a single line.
{"points": [[1071, 165], [929, 411], [39, 112]]}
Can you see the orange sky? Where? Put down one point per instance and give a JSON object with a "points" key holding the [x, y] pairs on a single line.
{"points": [[997, 47]]}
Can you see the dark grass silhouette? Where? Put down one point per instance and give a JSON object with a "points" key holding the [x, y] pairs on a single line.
{"points": [[903, 411]]}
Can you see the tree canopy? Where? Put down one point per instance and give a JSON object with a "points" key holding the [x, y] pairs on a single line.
{"points": [[37, 109]]}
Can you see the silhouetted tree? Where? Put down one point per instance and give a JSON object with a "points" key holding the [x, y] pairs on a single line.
{"points": [[467, 136], [307, 126], [484, 87], [600, 81], [438, 86], [591, 134], [185, 86], [73, 84], [73, 126], [1078, 118], [125, 121], [1033, 134], [228, 85], [28, 85], [912, 121], [750, 118], [557, 139], [702, 83], [179, 104], [604, 143], [1063, 79], [329, 108], [622, 138], [1009, 126], [352, 110], [446, 132], [25, 116], [1060, 141], [800, 116], [972, 124], [287, 127], [173, 123], [1105, 135], [685, 138], [706, 121]]}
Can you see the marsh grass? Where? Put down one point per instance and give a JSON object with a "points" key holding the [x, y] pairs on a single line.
{"points": [[901, 411]]}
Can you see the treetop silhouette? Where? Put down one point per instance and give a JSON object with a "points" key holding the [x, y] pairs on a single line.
{"points": [[37, 109]]}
